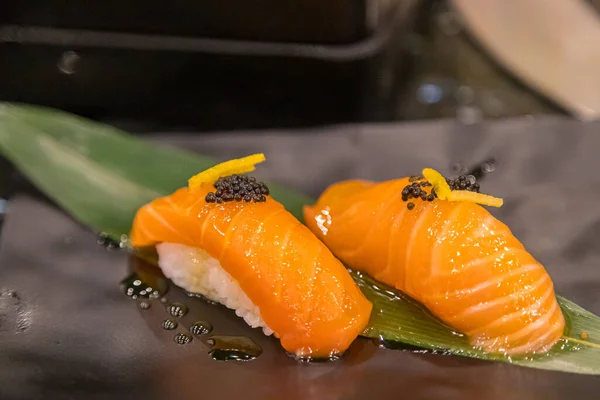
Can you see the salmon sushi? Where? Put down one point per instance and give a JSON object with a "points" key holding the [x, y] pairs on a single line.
{"points": [[224, 237], [428, 237]]}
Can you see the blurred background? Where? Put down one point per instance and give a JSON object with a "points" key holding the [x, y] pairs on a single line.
{"points": [[200, 65]]}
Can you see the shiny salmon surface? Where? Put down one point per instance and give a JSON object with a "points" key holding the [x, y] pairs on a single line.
{"points": [[305, 295], [458, 260]]}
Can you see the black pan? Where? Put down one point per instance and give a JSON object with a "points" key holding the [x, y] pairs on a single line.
{"points": [[67, 331]]}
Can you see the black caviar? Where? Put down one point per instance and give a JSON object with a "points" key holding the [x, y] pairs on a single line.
{"points": [[464, 182], [416, 189], [238, 188]]}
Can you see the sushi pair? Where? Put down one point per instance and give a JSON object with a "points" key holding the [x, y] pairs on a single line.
{"points": [[224, 237]]}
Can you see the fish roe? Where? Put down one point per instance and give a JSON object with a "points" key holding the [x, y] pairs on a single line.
{"points": [[238, 188], [417, 189]]}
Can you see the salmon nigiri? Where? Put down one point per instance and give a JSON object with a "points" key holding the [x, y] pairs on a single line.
{"points": [[224, 237], [443, 249]]}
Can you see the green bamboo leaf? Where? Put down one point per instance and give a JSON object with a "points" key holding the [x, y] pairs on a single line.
{"points": [[89, 168], [101, 176], [396, 317]]}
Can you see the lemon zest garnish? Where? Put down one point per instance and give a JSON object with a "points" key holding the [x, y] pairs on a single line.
{"points": [[443, 191], [479, 198], [237, 166], [437, 180]]}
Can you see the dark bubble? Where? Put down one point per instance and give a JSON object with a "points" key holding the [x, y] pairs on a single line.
{"points": [[104, 240], [201, 328], [182, 338], [177, 310], [134, 287], [169, 324], [488, 167]]}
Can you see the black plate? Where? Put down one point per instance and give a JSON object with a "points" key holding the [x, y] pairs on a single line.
{"points": [[66, 331]]}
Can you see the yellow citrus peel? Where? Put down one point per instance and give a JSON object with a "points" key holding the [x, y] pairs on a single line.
{"points": [[443, 191], [237, 166], [479, 198], [437, 180]]}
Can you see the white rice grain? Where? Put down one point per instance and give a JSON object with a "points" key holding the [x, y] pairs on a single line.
{"points": [[196, 271]]}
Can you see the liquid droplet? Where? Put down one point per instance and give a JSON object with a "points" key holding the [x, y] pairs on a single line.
{"points": [[124, 242], [144, 305], [134, 287], [313, 360], [177, 310], [391, 345], [200, 328], [233, 348], [488, 167], [183, 338], [104, 240], [169, 324]]}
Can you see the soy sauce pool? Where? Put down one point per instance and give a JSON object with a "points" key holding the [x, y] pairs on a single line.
{"points": [[178, 307], [233, 348]]}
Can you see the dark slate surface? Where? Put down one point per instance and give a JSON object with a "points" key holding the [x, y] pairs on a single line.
{"points": [[66, 331]]}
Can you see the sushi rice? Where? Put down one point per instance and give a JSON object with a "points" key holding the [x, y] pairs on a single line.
{"points": [[194, 270]]}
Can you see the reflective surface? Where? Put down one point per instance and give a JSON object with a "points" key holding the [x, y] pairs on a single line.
{"points": [[67, 330]]}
